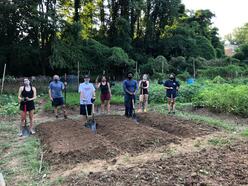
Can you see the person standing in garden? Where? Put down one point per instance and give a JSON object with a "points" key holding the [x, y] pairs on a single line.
{"points": [[105, 94], [26, 97], [130, 88], [143, 98], [172, 87], [87, 97], [56, 88]]}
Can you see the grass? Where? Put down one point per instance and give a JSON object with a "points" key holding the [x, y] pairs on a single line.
{"points": [[219, 141], [72, 99], [20, 160]]}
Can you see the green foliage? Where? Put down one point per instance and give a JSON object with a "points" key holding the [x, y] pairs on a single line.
{"points": [[184, 76], [8, 105], [219, 80], [224, 98]]}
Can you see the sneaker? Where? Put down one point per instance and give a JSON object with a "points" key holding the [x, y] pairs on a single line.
{"points": [[173, 113], [139, 110], [32, 131], [57, 116], [20, 134], [169, 113], [145, 110], [65, 116]]}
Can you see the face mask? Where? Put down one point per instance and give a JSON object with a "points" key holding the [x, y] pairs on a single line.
{"points": [[87, 81], [171, 78], [56, 80], [104, 80], [26, 82]]}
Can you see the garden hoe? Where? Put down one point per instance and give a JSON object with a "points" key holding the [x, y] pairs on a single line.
{"points": [[25, 129], [133, 112], [90, 123]]}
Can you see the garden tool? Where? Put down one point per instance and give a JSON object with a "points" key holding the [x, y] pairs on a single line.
{"points": [[25, 129], [133, 111], [90, 123]]}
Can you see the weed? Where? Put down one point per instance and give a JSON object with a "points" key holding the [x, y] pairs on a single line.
{"points": [[218, 142]]}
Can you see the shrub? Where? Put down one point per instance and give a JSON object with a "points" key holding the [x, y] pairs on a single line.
{"points": [[224, 98]]}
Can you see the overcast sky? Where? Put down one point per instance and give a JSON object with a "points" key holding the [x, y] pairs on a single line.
{"points": [[229, 13]]}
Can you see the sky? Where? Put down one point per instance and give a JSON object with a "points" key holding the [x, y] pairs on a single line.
{"points": [[229, 14]]}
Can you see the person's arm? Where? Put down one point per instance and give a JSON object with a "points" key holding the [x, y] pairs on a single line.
{"points": [[34, 96], [50, 94], [178, 86], [80, 90], [109, 90], [19, 94], [98, 85]]}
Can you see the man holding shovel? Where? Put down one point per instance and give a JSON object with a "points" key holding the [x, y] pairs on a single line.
{"points": [[130, 88], [55, 93], [171, 87], [26, 97], [87, 97]]}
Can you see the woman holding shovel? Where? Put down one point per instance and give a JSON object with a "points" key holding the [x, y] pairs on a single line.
{"points": [[26, 97], [171, 87], [143, 98], [105, 95]]}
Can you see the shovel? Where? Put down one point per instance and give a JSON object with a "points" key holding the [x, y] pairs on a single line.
{"points": [[25, 129], [91, 124], [133, 112]]}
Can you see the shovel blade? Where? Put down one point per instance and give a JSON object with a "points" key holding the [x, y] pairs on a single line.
{"points": [[25, 131], [91, 125]]}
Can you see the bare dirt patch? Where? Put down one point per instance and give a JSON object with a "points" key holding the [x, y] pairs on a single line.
{"points": [[215, 166], [176, 126]]}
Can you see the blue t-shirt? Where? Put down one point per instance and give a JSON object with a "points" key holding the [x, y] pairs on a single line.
{"points": [[56, 89], [173, 84], [130, 85]]}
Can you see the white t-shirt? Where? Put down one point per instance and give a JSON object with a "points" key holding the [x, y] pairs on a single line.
{"points": [[88, 90]]}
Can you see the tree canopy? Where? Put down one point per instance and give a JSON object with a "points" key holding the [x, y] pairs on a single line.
{"points": [[40, 37]]}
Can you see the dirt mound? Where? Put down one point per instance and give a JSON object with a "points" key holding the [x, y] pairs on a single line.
{"points": [[225, 166], [173, 125], [68, 141], [130, 137]]}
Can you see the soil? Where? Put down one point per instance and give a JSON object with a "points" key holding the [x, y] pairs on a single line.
{"points": [[69, 142], [215, 166], [176, 126]]}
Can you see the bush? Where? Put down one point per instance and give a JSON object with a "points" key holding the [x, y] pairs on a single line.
{"points": [[224, 98]]}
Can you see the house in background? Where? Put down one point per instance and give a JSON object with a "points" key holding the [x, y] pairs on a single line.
{"points": [[230, 49]]}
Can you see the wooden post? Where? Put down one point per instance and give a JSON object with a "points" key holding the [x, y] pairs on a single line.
{"points": [[4, 70], [78, 74], [136, 70], [194, 68]]}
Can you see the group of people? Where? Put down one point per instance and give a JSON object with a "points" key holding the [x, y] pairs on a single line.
{"points": [[27, 94]]}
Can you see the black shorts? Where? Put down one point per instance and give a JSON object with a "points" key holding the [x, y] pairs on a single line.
{"points": [[29, 106], [171, 95], [57, 102], [83, 109]]}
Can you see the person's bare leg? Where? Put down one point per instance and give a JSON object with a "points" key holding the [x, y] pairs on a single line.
{"points": [[23, 118], [141, 100], [64, 111], [169, 105], [145, 102], [174, 105], [102, 106], [108, 106], [56, 112]]}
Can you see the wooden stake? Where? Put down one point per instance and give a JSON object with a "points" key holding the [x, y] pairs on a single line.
{"points": [[4, 70]]}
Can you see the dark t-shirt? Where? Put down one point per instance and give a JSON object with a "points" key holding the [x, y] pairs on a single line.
{"points": [[173, 84]]}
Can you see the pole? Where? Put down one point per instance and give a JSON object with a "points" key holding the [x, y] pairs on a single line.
{"points": [[4, 70], [136, 70], [194, 68], [78, 73], [65, 86]]}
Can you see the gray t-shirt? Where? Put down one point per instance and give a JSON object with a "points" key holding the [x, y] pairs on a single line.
{"points": [[56, 89], [88, 91]]}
